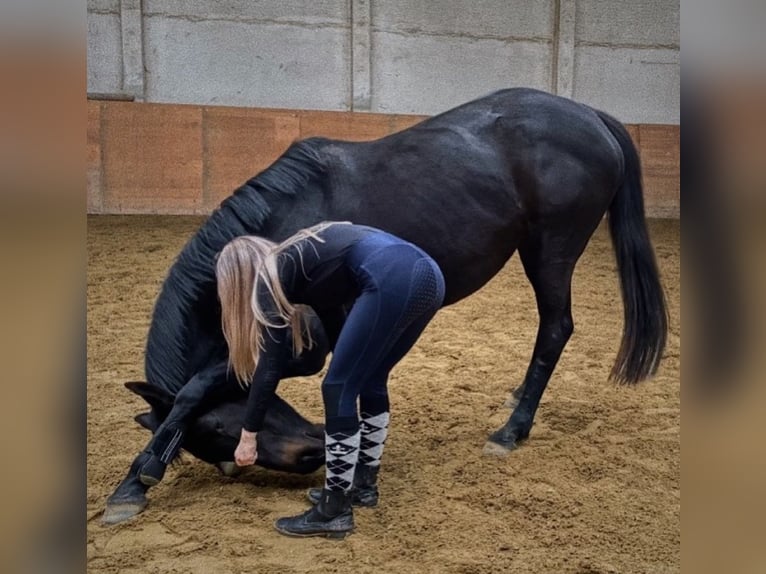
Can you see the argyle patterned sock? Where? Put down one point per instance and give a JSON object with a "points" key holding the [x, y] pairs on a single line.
{"points": [[342, 452], [374, 430]]}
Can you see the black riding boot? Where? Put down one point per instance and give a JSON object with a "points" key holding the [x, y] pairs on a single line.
{"points": [[331, 517], [364, 491], [162, 449]]}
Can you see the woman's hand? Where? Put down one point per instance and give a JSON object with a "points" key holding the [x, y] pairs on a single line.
{"points": [[246, 452]]}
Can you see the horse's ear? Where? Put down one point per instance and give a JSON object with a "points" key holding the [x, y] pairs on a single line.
{"points": [[156, 397], [148, 421]]}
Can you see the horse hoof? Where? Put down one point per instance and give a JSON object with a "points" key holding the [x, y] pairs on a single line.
{"points": [[493, 449], [121, 511], [228, 468]]}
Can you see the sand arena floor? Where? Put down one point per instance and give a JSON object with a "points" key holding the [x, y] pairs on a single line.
{"points": [[596, 488]]}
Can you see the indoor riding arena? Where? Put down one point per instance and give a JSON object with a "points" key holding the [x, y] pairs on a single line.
{"points": [[189, 100]]}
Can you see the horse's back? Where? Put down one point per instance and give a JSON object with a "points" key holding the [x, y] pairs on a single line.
{"points": [[524, 124], [494, 143], [466, 185]]}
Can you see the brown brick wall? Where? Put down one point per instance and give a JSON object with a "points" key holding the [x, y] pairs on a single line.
{"points": [[182, 159]]}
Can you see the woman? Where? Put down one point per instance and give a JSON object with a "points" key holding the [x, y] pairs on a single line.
{"points": [[393, 289]]}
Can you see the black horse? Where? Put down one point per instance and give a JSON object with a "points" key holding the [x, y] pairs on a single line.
{"points": [[519, 170]]}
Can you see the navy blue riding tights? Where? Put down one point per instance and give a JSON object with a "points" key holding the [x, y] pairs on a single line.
{"points": [[401, 290]]}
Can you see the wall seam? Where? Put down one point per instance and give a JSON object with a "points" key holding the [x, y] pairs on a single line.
{"points": [[101, 156], [204, 137], [555, 47], [565, 47], [361, 55], [131, 27]]}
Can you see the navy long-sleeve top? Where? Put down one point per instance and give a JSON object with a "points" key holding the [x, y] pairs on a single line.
{"points": [[312, 273]]}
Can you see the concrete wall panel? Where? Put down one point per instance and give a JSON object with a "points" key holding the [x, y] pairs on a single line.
{"points": [[429, 74], [104, 52], [638, 22], [478, 18], [404, 56], [233, 63], [634, 85], [112, 6], [316, 12]]}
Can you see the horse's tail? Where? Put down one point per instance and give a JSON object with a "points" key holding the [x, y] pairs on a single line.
{"points": [[646, 320]]}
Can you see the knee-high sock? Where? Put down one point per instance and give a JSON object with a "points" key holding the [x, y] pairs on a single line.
{"points": [[374, 431], [342, 452]]}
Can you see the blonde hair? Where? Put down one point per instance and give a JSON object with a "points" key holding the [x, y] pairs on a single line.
{"points": [[245, 263]]}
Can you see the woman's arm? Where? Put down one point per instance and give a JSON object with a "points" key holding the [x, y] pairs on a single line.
{"points": [[263, 387], [273, 356], [271, 362]]}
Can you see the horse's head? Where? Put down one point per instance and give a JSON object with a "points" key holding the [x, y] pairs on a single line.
{"points": [[287, 442]]}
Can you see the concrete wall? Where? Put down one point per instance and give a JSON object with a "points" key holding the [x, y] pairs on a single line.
{"points": [[389, 56]]}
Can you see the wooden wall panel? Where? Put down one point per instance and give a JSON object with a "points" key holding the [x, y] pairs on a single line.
{"points": [[93, 158], [660, 157], [152, 157], [239, 143], [158, 158], [345, 126], [403, 122]]}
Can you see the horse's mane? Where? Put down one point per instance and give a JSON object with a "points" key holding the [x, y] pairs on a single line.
{"points": [[190, 287]]}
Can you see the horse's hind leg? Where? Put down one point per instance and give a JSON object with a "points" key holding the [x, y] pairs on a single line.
{"points": [[514, 398], [551, 278]]}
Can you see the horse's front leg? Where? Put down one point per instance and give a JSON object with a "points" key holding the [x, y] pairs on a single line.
{"points": [[129, 498], [193, 398], [148, 468]]}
